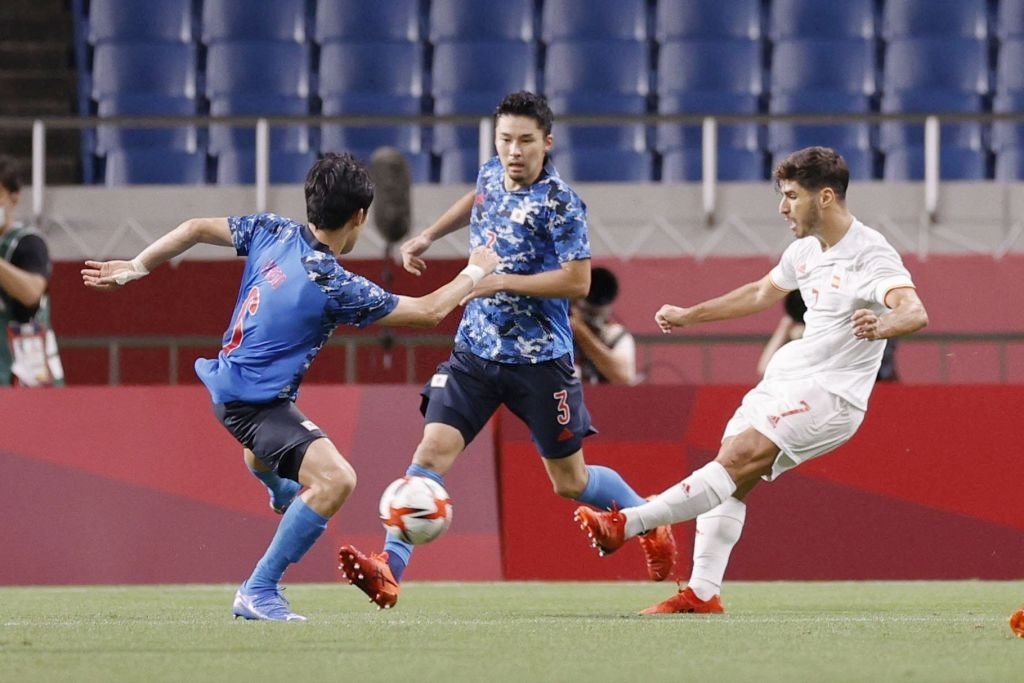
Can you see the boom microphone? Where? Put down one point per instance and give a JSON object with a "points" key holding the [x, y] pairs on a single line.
{"points": [[392, 206]]}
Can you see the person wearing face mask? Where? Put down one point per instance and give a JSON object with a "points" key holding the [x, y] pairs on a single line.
{"points": [[28, 349]]}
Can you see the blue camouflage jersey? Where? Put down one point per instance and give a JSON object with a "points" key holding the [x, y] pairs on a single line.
{"points": [[293, 294], [533, 230]]}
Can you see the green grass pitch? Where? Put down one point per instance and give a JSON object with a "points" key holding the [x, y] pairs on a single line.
{"points": [[517, 632]]}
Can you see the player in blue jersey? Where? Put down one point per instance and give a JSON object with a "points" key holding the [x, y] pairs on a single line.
{"points": [[293, 294], [514, 345]]}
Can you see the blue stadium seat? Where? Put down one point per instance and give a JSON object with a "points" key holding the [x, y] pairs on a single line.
{"points": [[823, 65], [820, 20], [947, 18], [459, 165], [936, 63], [955, 163], [599, 77], [472, 78], [709, 77], [1007, 134], [1009, 76], [861, 161], [361, 79], [934, 76], [109, 137], [148, 166], [472, 20], [238, 167], [1010, 164], [707, 19], [1009, 21], [360, 21], [253, 20], [167, 69], [602, 165], [421, 164], [140, 21], [739, 165], [593, 20], [258, 79]]}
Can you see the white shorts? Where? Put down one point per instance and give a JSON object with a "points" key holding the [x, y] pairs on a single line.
{"points": [[800, 417]]}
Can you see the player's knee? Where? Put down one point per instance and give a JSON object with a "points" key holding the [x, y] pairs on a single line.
{"points": [[571, 488], [334, 485]]}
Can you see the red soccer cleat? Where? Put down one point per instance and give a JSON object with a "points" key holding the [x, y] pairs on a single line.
{"points": [[370, 574], [1017, 622], [686, 601], [660, 550], [607, 530]]}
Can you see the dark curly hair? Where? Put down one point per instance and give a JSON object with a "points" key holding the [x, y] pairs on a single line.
{"points": [[10, 174], [336, 187]]}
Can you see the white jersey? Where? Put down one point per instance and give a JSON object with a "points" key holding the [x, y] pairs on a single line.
{"points": [[855, 273]]}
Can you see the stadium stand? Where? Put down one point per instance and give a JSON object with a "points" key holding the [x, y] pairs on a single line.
{"points": [[590, 57], [708, 19], [258, 78], [238, 167], [472, 20], [374, 78], [139, 166], [604, 165], [822, 76], [140, 21], [934, 75], [470, 78], [789, 19], [576, 20], [709, 77], [251, 20], [934, 18], [361, 21]]}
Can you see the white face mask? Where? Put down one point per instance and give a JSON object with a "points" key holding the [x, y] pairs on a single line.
{"points": [[3, 215]]}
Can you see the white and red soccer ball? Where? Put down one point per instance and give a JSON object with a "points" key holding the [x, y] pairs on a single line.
{"points": [[415, 509]]}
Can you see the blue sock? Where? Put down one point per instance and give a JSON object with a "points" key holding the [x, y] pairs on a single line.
{"points": [[282, 491], [606, 487], [399, 552], [299, 528]]}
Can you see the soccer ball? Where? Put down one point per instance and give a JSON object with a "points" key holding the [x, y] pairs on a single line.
{"points": [[415, 509]]}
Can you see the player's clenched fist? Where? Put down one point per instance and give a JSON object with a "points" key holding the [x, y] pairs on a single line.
{"points": [[669, 316]]}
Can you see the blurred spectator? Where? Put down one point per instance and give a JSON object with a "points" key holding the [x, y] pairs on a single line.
{"points": [[605, 349], [28, 349], [791, 326]]}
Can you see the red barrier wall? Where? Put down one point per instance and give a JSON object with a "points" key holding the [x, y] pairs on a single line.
{"points": [[134, 485], [962, 293], [141, 485], [928, 489]]}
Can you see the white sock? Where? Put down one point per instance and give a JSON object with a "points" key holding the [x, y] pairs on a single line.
{"points": [[717, 532], [703, 490]]}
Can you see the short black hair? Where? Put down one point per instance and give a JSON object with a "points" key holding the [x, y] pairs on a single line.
{"points": [[604, 287], [10, 174], [337, 186], [526, 103], [814, 168]]}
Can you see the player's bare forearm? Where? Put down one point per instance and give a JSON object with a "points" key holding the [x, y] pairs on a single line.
{"points": [[908, 315], [747, 299], [429, 310], [116, 273], [570, 281]]}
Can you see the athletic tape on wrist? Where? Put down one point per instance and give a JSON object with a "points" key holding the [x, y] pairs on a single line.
{"points": [[138, 270], [473, 272]]}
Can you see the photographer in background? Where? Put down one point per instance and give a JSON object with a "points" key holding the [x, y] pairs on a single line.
{"points": [[605, 350], [28, 348]]}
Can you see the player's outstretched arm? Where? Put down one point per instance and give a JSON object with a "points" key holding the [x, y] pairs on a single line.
{"points": [[116, 273], [431, 309], [456, 217], [748, 299], [570, 281]]}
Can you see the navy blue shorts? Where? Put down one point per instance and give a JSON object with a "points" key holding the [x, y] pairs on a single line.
{"points": [[466, 390], [277, 432]]}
